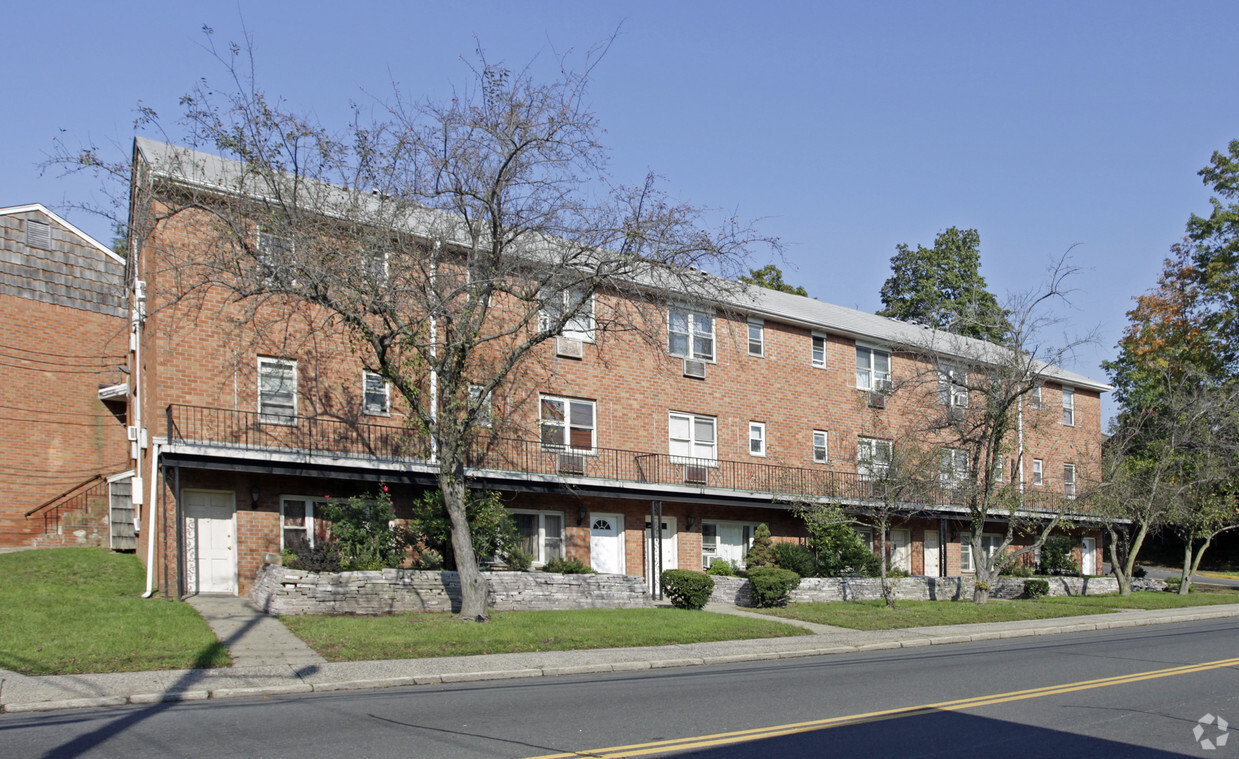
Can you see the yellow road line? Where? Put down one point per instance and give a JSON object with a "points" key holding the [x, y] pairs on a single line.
{"points": [[774, 731]]}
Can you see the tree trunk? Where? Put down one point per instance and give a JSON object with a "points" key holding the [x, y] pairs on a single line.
{"points": [[474, 592], [1185, 578], [983, 574], [1123, 569], [1196, 562]]}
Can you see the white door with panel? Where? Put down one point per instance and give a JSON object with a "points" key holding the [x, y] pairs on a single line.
{"points": [[1088, 556], [211, 530], [901, 550], [606, 543], [932, 554], [670, 552]]}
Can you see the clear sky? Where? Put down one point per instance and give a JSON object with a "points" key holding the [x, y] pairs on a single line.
{"points": [[847, 127]]}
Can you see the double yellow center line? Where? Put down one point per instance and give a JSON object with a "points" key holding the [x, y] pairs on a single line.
{"points": [[775, 731]]}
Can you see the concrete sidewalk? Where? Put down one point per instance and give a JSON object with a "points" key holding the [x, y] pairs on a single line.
{"points": [[269, 660]]}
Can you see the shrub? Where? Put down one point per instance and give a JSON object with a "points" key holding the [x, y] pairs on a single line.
{"points": [[842, 552], [1017, 570], [518, 559], [324, 557], [1056, 556], [686, 589], [1139, 571], [492, 528], [721, 568], [797, 558], [1036, 588], [897, 572], [571, 566], [363, 529], [761, 554], [771, 585], [428, 559]]}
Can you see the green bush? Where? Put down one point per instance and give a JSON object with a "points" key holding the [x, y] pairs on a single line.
{"points": [[797, 558], [771, 585], [518, 559], [1056, 556], [571, 566], [493, 532], [841, 552], [721, 568], [686, 589], [761, 554], [428, 559], [897, 572], [363, 529], [1016, 570], [1036, 588], [324, 557]]}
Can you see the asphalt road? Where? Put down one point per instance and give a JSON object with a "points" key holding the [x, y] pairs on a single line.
{"points": [[1138, 692], [1164, 573]]}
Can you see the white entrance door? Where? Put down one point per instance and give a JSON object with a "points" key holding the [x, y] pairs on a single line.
{"points": [[901, 550], [1088, 556], [606, 543], [212, 530], [670, 545], [932, 549]]}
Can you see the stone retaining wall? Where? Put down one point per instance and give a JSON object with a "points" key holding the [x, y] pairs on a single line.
{"points": [[735, 590], [278, 590]]}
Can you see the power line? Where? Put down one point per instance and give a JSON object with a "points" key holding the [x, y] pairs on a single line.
{"points": [[64, 355]]}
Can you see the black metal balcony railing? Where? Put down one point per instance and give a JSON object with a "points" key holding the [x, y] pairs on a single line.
{"points": [[250, 431]]}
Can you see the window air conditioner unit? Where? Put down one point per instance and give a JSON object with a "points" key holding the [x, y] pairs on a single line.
{"points": [[954, 413], [566, 347], [877, 399], [696, 474], [571, 463], [694, 369], [883, 386]]}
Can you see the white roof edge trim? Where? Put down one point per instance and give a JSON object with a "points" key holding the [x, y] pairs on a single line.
{"points": [[121, 476], [62, 222], [113, 391]]}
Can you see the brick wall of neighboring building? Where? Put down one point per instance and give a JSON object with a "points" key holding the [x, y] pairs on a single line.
{"points": [[62, 336]]}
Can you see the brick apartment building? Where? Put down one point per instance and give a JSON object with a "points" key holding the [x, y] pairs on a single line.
{"points": [[63, 450], [746, 405]]}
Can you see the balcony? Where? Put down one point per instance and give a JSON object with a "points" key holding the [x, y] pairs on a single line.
{"points": [[307, 440]]}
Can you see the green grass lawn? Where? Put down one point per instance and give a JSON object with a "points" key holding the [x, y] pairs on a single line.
{"points": [[78, 610], [422, 635], [873, 615]]}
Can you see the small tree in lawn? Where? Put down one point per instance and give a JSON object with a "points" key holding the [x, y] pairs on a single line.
{"points": [[443, 241], [761, 553]]}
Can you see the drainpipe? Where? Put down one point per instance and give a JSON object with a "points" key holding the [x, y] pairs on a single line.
{"points": [[434, 354], [150, 536], [1019, 406]]}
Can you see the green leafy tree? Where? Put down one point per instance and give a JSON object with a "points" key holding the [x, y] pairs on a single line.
{"points": [[771, 278], [942, 287], [490, 526], [1215, 252], [363, 529]]}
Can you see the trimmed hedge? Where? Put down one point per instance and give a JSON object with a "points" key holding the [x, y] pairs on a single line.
{"points": [[771, 586], [573, 566], [1036, 588], [686, 589], [798, 558]]}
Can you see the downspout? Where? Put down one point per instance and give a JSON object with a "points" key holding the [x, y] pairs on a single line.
{"points": [[150, 536], [434, 355], [1019, 405]]}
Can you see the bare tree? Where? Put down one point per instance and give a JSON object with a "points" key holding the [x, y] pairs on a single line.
{"points": [[443, 243]]}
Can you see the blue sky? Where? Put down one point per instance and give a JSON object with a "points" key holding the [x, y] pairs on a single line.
{"points": [[847, 128]]}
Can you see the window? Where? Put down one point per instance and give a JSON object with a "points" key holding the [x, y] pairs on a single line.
{"points": [[1069, 406], [376, 395], [820, 450], [989, 546], [1034, 397], [819, 351], [274, 257], [757, 439], [38, 234], [575, 308], [541, 534], [757, 337], [486, 413], [692, 437], [298, 527], [375, 265], [567, 424], [1038, 472], [277, 391], [952, 387], [690, 334], [953, 469], [728, 541], [1069, 480], [873, 369], [873, 457]]}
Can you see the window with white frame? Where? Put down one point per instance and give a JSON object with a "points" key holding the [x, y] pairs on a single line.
{"points": [[692, 438], [690, 334], [873, 457], [728, 541], [989, 546], [567, 424], [873, 369], [1069, 406], [757, 337], [376, 395], [575, 308], [297, 527], [818, 351], [821, 451], [375, 265], [1069, 480], [1034, 397], [952, 387], [953, 467], [757, 438], [277, 391], [541, 534], [1038, 473], [274, 256], [486, 413]]}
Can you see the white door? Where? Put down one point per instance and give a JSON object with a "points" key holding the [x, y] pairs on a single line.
{"points": [[670, 544], [901, 550], [1088, 556], [213, 521], [931, 553], [606, 543]]}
